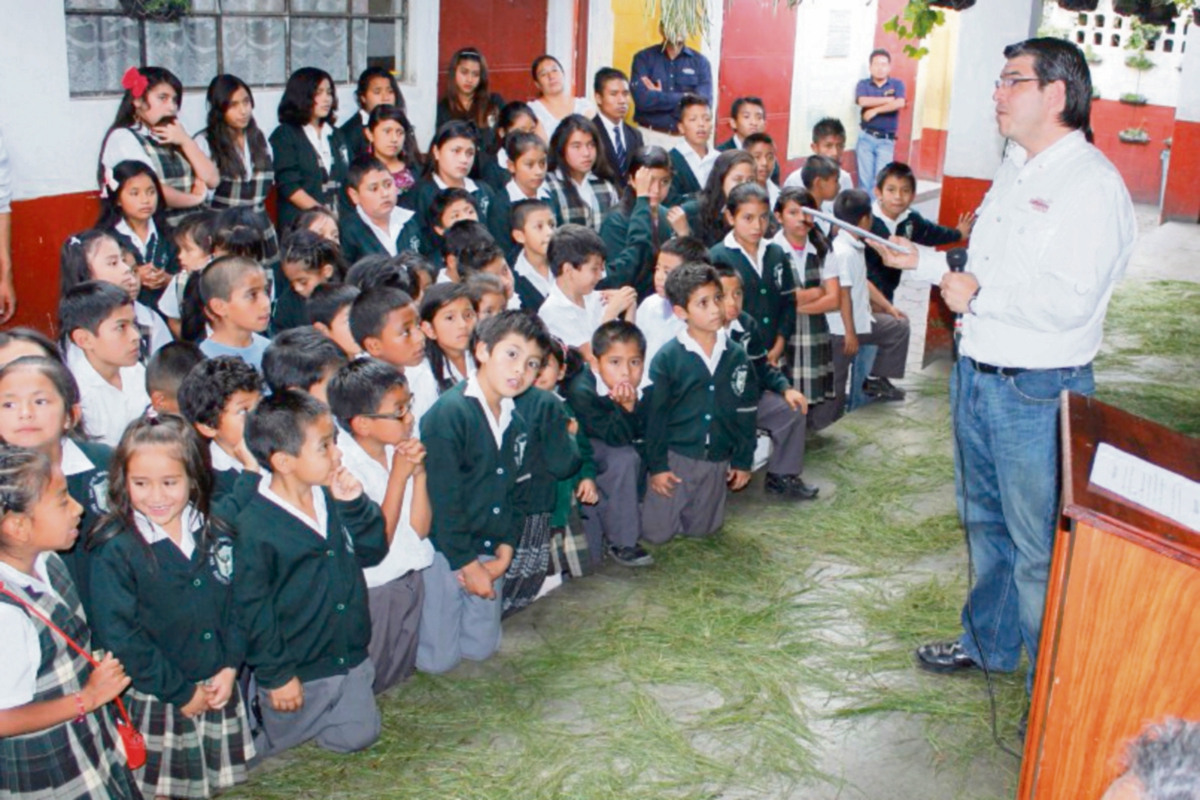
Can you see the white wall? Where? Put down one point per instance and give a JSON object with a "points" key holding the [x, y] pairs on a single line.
{"points": [[823, 86], [53, 140], [1188, 107]]}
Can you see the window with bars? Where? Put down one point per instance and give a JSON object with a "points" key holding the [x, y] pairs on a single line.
{"points": [[260, 41]]}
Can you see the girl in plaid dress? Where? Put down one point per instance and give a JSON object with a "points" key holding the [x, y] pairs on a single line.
{"points": [[164, 570], [57, 738], [147, 129], [580, 177], [809, 350]]}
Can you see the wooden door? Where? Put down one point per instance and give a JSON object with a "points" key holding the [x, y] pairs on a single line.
{"points": [[509, 34]]}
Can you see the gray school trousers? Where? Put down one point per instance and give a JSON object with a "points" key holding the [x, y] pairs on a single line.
{"points": [[454, 623], [890, 335], [697, 508], [339, 712], [616, 517], [788, 429], [395, 623]]}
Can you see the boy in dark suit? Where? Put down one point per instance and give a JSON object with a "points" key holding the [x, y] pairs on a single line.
{"points": [[612, 104]]}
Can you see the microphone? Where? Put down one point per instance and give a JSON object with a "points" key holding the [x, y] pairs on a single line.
{"points": [[956, 259]]}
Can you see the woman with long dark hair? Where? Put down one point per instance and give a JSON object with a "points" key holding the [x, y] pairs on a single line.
{"points": [[579, 176], [468, 97]]}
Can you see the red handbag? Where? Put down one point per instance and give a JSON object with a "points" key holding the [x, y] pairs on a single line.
{"points": [[131, 739]]}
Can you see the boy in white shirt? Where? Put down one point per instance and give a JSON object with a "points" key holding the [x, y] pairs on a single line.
{"points": [[574, 309], [655, 317], [373, 407], [854, 324], [98, 318]]}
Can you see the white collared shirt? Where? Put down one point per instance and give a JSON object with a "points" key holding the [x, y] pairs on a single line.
{"points": [[845, 181], [396, 222], [247, 160], [659, 325], [892, 224], [222, 461], [497, 426], [701, 165], [515, 195], [106, 409], [693, 346], [123, 145], [319, 526], [142, 245], [468, 184], [160, 334], [542, 283], [22, 647], [756, 258], [569, 322], [408, 551], [798, 257], [153, 533], [74, 460], [586, 193], [603, 389], [321, 142], [1053, 237], [772, 193], [847, 262]]}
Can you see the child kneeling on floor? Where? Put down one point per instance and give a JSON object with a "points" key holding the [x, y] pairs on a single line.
{"points": [[300, 550]]}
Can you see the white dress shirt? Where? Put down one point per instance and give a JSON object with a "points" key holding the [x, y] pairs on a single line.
{"points": [[569, 322], [1052, 238], [498, 425], [711, 362], [319, 525], [659, 325], [22, 647], [701, 166], [848, 263], [541, 282], [106, 409], [396, 222]]}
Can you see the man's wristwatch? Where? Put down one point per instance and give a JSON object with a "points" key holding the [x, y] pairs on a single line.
{"points": [[971, 302]]}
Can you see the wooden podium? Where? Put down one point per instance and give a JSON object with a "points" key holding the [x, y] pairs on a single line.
{"points": [[1120, 641]]}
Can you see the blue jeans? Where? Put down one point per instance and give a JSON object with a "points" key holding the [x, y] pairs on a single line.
{"points": [[872, 154], [1006, 466]]}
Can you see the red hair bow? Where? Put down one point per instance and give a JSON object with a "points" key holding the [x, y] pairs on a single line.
{"points": [[135, 82]]}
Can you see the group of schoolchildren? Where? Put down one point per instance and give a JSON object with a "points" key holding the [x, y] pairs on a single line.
{"points": [[262, 478]]}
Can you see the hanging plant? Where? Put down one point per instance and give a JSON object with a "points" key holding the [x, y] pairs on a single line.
{"points": [[1134, 136], [157, 10], [687, 19], [1153, 12], [1134, 99]]}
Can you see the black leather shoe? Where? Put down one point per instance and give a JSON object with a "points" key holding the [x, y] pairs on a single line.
{"points": [[789, 486], [883, 389], [944, 657]]}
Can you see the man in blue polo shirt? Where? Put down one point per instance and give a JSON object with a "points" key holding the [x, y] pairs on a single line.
{"points": [[661, 76], [880, 97]]}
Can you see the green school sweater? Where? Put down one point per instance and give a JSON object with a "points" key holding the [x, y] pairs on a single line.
{"points": [[730, 144], [493, 210], [353, 136], [701, 415], [472, 481], [89, 488], [770, 378], [684, 184], [358, 240], [552, 454], [302, 598], [298, 167], [600, 417], [171, 620], [564, 492], [632, 247], [771, 298]]}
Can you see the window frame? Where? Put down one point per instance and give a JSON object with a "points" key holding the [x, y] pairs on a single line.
{"points": [[398, 17]]}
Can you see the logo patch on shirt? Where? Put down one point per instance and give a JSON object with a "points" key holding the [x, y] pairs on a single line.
{"points": [[349, 540], [98, 489], [484, 202], [221, 561], [738, 381], [519, 448], [1039, 205], [779, 274]]}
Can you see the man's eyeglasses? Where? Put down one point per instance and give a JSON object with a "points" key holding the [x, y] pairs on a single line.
{"points": [[1009, 84], [395, 416]]}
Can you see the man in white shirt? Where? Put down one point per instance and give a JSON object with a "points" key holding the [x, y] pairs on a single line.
{"points": [[1053, 237]]}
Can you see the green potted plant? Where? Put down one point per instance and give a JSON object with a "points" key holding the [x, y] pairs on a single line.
{"points": [[1141, 36], [156, 10], [1092, 56], [1137, 135], [1134, 99]]}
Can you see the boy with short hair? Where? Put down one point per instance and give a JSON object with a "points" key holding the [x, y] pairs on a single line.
{"points": [[165, 372], [532, 227], [692, 159], [700, 420], [747, 116], [829, 140], [215, 398], [574, 309], [329, 313], [782, 410], [606, 397], [620, 140], [103, 343], [880, 99], [761, 148], [820, 176], [488, 259], [458, 237], [449, 207], [301, 358], [487, 294], [373, 406], [238, 306], [193, 243], [384, 323], [301, 549], [655, 318], [378, 225], [475, 453], [854, 324]]}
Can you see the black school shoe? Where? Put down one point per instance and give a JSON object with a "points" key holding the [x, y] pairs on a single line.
{"points": [[883, 389], [789, 486], [635, 556], [944, 657]]}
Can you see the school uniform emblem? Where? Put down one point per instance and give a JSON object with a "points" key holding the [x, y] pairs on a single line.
{"points": [[349, 540], [220, 560], [414, 244], [779, 274], [519, 448], [98, 489], [484, 202], [738, 381]]}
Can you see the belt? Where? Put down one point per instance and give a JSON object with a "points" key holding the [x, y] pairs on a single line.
{"points": [[879, 134], [992, 369]]}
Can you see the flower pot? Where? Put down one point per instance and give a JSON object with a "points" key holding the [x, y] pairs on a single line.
{"points": [[1133, 139], [1139, 100], [156, 10], [1078, 5]]}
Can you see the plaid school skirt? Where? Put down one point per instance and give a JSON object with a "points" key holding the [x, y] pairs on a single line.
{"points": [[75, 760], [569, 548], [809, 354], [531, 560], [193, 757]]}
